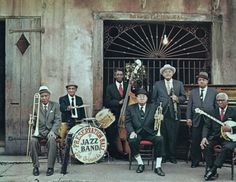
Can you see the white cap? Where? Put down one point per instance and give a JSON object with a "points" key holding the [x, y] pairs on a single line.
{"points": [[43, 89]]}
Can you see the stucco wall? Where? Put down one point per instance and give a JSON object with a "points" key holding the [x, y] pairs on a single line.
{"points": [[67, 44]]}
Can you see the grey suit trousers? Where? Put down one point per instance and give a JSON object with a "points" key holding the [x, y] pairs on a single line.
{"points": [[35, 150]]}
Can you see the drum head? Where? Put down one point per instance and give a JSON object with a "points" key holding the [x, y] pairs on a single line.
{"points": [[89, 144]]}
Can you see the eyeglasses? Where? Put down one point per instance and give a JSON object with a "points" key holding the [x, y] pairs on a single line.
{"points": [[220, 100]]}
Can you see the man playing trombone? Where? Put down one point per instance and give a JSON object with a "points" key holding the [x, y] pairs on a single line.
{"points": [[171, 93], [140, 125], [47, 124]]}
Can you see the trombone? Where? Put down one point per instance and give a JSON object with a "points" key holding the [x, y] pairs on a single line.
{"points": [[158, 118], [34, 117]]}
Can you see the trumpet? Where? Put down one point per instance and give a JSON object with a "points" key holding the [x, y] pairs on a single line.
{"points": [[34, 117], [158, 118]]}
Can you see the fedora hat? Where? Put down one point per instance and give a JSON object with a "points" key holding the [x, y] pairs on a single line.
{"points": [[203, 74], [167, 66], [44, 89], [141, 91], [71, 84]]}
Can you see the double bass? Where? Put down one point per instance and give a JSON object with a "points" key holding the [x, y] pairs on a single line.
{"points": [[122, 143]]}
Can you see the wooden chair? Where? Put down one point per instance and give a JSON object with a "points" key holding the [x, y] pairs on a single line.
{"points": [[146, 150], [217, 150]]}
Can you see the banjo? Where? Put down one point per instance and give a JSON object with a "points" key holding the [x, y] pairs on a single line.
{"points": [[226, 135]]}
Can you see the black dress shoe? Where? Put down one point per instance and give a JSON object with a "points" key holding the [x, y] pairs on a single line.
{"points": [[50, 172], [140, 169], [163, 160], [174, 161], [194, 165], [36, 171], [211, 173], [159, 171]]}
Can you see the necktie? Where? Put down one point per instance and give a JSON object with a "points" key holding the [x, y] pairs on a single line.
{"points": [[45, 108], [121, 90], [73, 105], [222, 114], [142, 112], [168, 87], [201, 95]]}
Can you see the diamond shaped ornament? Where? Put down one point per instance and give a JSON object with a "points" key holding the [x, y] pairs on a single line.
{"points": [[22, 44]]}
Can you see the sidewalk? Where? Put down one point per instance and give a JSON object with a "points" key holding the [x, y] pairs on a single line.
{"points": [[19, 169]]}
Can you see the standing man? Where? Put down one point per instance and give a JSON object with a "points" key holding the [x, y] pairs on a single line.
{"points": [[204, 98], [70, 112], [211, 135], [140, 125], [114, 99], [171, 93], [49, 123]]}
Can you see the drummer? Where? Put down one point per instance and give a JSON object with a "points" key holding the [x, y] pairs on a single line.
{"points": [[69, 107]]}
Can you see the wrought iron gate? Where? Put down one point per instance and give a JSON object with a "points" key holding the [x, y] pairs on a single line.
{"points": [[186, 46]]}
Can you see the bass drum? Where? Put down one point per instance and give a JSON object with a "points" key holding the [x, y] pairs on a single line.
{"points": [[89, 144]]}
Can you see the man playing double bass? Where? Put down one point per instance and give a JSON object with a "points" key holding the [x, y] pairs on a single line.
{"points": [[140, 125], [114, 99]]}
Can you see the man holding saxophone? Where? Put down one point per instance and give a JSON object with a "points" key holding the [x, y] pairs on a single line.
{"points": [[171, 93], [140, 125], [48, 123]]}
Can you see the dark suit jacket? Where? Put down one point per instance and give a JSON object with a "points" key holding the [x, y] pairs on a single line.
{"points": [[160, 94], [133, 119], [51, 121], [211, 129], [113, 97], [65, 102], [207, 105]]}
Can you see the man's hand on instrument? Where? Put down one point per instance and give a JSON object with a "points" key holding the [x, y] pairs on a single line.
{"points": [[160, 117], [51, 134], [204, 143], [226, 128], [189, 122], [133, 135], [69, 108], [175, 98], [121, 101]]}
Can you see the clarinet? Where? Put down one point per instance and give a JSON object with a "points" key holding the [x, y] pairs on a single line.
{"points": [[174, 104], [66, 154]]}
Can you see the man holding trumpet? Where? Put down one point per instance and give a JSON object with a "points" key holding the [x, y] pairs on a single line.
{"points": [[171, 93], [47, 125], [140, 125]]}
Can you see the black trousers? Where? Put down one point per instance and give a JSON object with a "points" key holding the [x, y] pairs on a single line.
{"points": [[169, 131], [227, 146], [112, 136], [196, 137], [156, 140]]}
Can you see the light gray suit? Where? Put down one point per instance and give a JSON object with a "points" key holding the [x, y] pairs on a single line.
{"points": [[169, 127], [207, 105], [49, 121]]}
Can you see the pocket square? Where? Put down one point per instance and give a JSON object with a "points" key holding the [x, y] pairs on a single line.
{"points": [[51, 111]]}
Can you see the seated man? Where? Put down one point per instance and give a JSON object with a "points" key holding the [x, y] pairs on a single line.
{"points": [[140, 125], [212, 135], [49, 123]]}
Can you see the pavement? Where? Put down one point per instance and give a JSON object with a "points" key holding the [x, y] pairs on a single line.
{"points": [[19, 169]]}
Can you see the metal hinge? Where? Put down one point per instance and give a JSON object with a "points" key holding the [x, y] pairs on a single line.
{"points": [[41, 30]]}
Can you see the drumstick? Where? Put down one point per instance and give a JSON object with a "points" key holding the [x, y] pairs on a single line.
{"points": [[84, 105]]}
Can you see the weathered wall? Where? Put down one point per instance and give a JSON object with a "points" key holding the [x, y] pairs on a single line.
{"points": [[67, 44]]}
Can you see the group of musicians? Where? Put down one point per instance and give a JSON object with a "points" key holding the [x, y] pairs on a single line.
{"points": [[139, 121]]}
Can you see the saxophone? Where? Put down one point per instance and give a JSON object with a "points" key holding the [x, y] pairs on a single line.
{"points": [[158, 118]]}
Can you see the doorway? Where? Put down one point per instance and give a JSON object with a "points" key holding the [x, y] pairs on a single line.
{"points": [[2, 82]]}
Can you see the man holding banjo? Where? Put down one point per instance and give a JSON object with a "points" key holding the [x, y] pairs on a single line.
{"points": [[213, 130]]}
